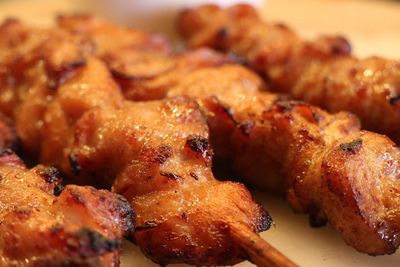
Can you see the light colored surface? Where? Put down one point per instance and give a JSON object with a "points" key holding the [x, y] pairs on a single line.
{"points": [[373, 27]]}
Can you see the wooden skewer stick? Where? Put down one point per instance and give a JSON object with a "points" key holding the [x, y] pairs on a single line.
{"points": [[259, 251]]}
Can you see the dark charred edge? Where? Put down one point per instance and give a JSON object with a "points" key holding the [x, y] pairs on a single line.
{"points": [[198, 144], [58, 190], [146, 226], [171, 176], [391, 235], [6, 152], [246, 127], [76, 196], [315, 219], [127, 214], [91, 242], [265, 220], [74, 163], [394, 100], [123, 76], [8, 157], [194, 175], [288, 105], [221, 108], [184, 216], [222, 32], [51, 175], [237, 59], [352, 147], [162, 154], [339, 46], [60, 76]]}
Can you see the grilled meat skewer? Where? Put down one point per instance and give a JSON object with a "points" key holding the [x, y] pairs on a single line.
{"points": [[325, 164], [322, 72], [70, 113], [43, 223]]}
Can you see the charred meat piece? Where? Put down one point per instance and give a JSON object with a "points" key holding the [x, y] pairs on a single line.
{"points": [[42, 224], [322, 161], [322, 72], [159, 155], [155, 154], [325, 164]]}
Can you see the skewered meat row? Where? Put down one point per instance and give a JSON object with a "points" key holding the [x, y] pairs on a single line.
{"points": [[322, 72], [42, 224], [332, 170], [155, 153], [325, 164]]}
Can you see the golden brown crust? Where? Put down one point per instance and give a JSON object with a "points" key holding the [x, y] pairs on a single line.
{"points": [[285, 146], [270, 142], [321, 72], [42, 224], [154, 153]]}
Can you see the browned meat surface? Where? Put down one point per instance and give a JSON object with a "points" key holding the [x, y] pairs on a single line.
{"points": [[322, 72], [273, 143], [159, 154], [297, 148], [332, 170], [42, 224], [73, 115]]}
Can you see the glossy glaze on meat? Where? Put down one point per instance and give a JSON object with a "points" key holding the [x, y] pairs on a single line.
{"points": [[293, 147], [156, 153], [322, 71], [44, 224]]}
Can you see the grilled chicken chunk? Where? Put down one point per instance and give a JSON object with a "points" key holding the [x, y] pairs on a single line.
{"points": [[42, 224], [155, 153], [159, 156], [292, 147], [322, 72], [285, 146]]}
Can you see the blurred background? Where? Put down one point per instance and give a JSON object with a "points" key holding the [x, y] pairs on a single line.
{"points": [[372, 25]]}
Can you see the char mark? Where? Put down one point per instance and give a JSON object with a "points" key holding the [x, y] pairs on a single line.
{"points": [[265, 220], [171, 176], [74, 163], [91, 242], [394, 100], [198, 144], [6, 152], [194, 175], [146, 225], [51, 175], [352, 147], [162, 154]]}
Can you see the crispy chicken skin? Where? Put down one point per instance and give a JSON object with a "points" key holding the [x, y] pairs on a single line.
{"points": [[159, 154], [282, 145], [42, 224], [293, 147], [156, 154], [332, 170], [322, 72]]}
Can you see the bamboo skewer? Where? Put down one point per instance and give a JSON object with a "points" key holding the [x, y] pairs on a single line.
{"points": [[260, 252]]}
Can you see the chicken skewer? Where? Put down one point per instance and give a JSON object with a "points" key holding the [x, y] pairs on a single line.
{"points": [[155, 154], [322, 72], [76, 226], [332, 170], [81, 226]]}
